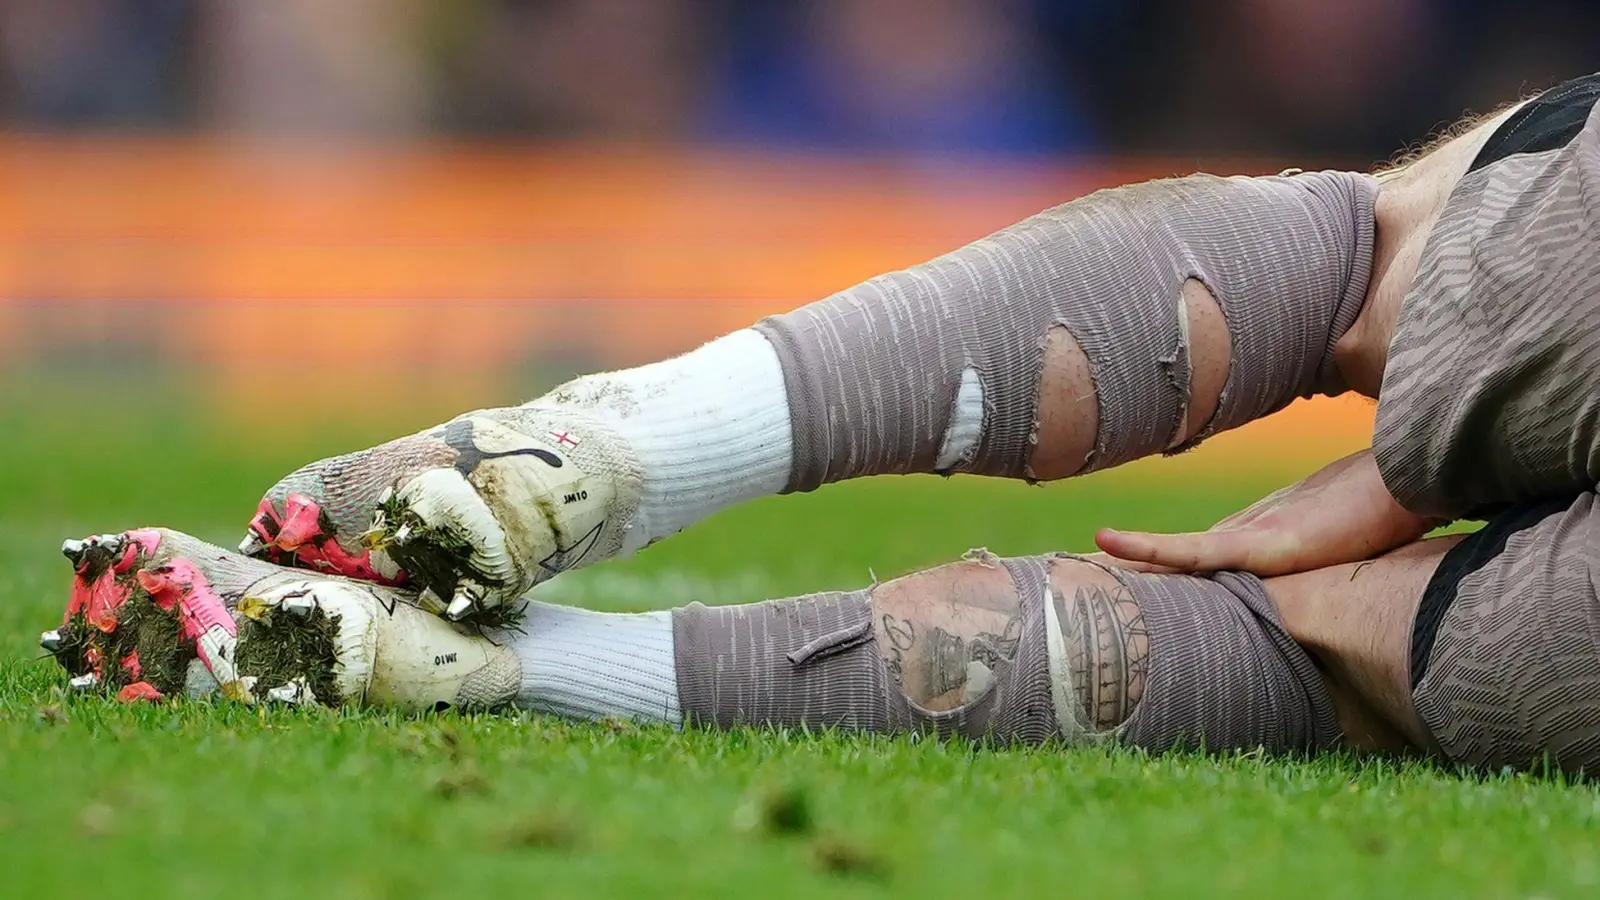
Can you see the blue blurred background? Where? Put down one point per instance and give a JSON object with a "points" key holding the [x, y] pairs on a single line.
{"points": [[1345, 80]]}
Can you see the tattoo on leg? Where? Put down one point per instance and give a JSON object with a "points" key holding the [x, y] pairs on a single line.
{"points": [[902, 637], [991, 649], [944, 632], [947, 662], [1108, 650]]}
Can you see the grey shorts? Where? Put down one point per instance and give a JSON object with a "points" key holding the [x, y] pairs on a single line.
{"points": [[1505, 652], [1491, 395]]}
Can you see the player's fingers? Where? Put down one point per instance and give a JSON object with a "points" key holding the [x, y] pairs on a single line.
{"points": [[1203, 551], [1106, 559]]}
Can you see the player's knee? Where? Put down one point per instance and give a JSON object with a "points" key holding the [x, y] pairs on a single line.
{"points": [[944, 631], [1059, 646], [1219, 672], [945, 634]]}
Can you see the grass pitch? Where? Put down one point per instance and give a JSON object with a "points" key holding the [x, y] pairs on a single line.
{"points": [[200, 800]]}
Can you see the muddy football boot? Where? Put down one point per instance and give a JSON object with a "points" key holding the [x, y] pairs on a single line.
{"points": [[471, 514], [155, 613]]}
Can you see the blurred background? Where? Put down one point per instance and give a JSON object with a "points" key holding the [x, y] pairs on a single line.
{"points": [[359, 216], [238, 235]]}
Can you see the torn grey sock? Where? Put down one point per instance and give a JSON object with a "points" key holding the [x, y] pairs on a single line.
{"points": [[1158, 662], [873, 373]]}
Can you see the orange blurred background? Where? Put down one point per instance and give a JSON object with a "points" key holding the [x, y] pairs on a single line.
{"points": [[348, 282], [385, 210]]}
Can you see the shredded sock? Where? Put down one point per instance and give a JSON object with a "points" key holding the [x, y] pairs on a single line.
{"points": [[589, 665], [711, 429], [875, 372]]}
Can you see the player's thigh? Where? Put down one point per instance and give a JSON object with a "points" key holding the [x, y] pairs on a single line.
{"points": [[1356, 619]]}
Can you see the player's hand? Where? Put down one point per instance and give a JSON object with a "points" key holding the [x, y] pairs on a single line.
{"points": [[1341, 514], [473, 513]]}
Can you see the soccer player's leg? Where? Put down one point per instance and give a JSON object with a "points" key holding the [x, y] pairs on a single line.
{"points": [[1015, 650], [1009, 650], [1133, 321], [1481, 649]]}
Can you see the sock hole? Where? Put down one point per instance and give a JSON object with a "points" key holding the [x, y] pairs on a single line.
{"points": [[1210, 355], [1068, 417]]}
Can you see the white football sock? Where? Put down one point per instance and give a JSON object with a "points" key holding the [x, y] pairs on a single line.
{"points": [[710, 428], [590, 665]]}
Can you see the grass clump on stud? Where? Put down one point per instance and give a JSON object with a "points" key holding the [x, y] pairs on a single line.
{"points": [[278, 648], [73, 654], [432, 557], [147, 645]]}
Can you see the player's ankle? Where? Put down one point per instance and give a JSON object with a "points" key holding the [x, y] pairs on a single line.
{"points": [[709, 429]]}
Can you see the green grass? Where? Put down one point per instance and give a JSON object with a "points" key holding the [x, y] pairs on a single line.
{"points": [[199, 800]]}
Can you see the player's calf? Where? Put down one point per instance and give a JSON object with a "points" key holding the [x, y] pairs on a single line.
{"points": [[1028, 650], [1129, 322]]}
